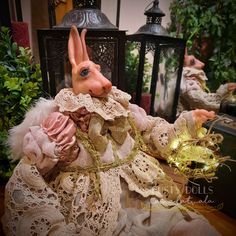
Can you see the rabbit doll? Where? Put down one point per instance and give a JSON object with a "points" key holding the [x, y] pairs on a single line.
{"points": [[87, 163], [194, 92]]}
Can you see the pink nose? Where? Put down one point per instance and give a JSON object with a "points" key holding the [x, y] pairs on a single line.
{"points": [[198, 64], [107, 86], [203, 64]]}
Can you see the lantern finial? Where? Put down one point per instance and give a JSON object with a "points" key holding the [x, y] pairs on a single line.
{"points": [[153, 23]]}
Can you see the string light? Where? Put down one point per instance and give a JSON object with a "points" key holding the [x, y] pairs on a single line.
{"points": [[197, 157]]}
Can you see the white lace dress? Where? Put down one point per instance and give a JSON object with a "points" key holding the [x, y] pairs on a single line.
{"points": [[105, 182]]}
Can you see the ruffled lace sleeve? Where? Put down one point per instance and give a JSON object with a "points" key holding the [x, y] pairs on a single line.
{"points": [[157, 133], [222, 90], [203, 100], [193, 94]]}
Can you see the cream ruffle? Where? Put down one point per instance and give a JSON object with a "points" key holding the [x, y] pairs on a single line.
{"points": [[115, 105], [189, 72]]}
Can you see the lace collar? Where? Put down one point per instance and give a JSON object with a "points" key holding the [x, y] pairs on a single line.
{"points": [[197, 73], [114, 105]]}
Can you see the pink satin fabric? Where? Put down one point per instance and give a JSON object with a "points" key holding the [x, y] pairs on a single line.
{"points": [[61, 129], [54, 142], [81, 117]]}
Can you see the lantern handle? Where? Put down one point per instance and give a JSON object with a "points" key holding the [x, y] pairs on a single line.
{"points": [[156, 3]]}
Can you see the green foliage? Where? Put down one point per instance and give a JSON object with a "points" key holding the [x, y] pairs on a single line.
{"points": [[131, 69], [208, 23], [20, 85], [6, 166]]}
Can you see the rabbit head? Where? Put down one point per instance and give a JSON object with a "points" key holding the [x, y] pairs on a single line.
{"points": [[192, 61], [86, 75]]}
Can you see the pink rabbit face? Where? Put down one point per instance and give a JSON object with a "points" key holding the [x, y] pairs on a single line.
{"points": [[86, 75], [192, 61], [87, 78]]}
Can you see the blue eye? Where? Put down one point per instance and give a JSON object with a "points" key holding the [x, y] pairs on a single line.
{"points": [[84, 72]]}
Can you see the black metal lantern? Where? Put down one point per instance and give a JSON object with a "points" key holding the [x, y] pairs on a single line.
{"points": [[106, 46], [161, 57], [86, 14]]}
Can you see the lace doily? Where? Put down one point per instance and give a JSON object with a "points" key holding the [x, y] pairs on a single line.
{"points": [[91, 214], [114, 105], [33, 207]]}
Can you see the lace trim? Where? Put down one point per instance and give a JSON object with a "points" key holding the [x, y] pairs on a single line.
{"points": [[108, 108]]}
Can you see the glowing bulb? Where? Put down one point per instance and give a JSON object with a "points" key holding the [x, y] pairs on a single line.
{"points": [[175, 144]]}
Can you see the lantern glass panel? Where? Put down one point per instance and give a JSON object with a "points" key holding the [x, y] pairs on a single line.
{"points": [[167, 79], [131, 69], [159, 63], [147, 72]]}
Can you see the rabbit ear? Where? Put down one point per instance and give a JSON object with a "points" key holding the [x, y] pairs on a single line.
{"points": [[75, 50], [186, 51], [85, 54]]}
